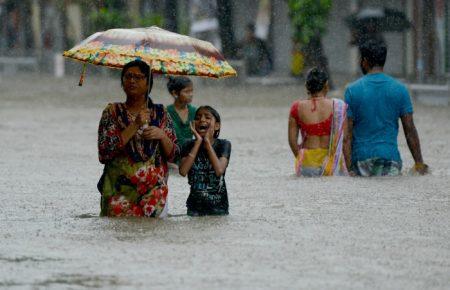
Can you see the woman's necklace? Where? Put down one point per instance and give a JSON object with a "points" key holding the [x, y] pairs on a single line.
{"points": [[314, 100], [133, 115], [134, 112]]}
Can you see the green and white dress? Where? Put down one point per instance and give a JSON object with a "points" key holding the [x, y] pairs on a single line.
{"points": [[182, 129]]}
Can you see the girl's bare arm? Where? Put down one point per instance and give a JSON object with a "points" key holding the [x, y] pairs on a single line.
{"points": [[219, 164], [186, 162]]}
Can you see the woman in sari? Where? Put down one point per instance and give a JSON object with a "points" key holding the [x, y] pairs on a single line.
{"points": [[321, 122], [136, 139]]}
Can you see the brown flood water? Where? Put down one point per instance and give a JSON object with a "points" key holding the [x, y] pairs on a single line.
{"points": [[282, 232]]}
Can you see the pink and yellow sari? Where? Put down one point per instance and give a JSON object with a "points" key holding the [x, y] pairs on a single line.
{"points": [[326, 162]]}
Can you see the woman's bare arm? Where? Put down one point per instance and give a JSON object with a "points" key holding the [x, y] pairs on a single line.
{"points": [[131, 130], [293, 136]]}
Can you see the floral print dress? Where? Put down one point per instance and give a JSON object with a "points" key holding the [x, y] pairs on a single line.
{"points": [[134, 179]]}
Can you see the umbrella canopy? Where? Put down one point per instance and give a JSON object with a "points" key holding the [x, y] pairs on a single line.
{"points": [[166, 52], [378, 20]]}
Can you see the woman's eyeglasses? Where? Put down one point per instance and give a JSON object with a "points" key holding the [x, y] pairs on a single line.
{"points": [[130, 76]]}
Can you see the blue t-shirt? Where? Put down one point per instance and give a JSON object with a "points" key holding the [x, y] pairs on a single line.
{"points": [[375, 103]]}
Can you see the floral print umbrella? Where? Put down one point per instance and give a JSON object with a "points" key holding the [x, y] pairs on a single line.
{"points": [[166, 52]]}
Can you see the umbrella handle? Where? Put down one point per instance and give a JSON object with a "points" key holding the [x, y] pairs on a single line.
{"points": [[83, 73], [150, 83]]}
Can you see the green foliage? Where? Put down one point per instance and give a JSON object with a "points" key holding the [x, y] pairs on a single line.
{"points": [[114, 14], [105, 18], [308, 18], [151, 19]]}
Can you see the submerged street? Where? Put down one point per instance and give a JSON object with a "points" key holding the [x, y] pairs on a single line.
{"points": [[282, 232]]}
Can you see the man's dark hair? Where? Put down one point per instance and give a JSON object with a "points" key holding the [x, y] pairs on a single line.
{"points": [[374, 52], [316, 80]]}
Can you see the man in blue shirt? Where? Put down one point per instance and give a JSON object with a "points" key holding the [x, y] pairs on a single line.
{"points": [[376, 102]]}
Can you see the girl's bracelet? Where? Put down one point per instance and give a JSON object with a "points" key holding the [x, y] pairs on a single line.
{"points": [[192, 155]]}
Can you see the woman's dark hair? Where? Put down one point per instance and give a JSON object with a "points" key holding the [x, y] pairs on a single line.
{"points": [[316, 80], [143, 67], [374, 51], [178, 83], [251, 27], [215, 115]]}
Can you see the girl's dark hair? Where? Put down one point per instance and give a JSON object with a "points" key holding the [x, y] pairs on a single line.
{"points": [[215, 115], [315, 80], [178, 83], [143, 67]]}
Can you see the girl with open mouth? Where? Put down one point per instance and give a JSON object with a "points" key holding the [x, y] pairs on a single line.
{"points": [[205, 160]]}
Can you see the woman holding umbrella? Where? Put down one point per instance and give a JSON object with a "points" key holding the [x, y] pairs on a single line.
{"points": [[136, 139]]}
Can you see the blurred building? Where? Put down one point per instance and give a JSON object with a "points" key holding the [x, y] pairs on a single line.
{"points": [[422, 52], [43, 28]]}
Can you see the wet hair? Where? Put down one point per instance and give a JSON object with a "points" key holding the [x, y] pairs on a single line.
{"points": [[315, 80], [143, 67], [251, 27], [374, 52], [178, 83], [215, 115]]}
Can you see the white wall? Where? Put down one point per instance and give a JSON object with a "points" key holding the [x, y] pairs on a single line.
{"points": [[337, 38], [281, 38], [336, 41], [245, 11]]}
